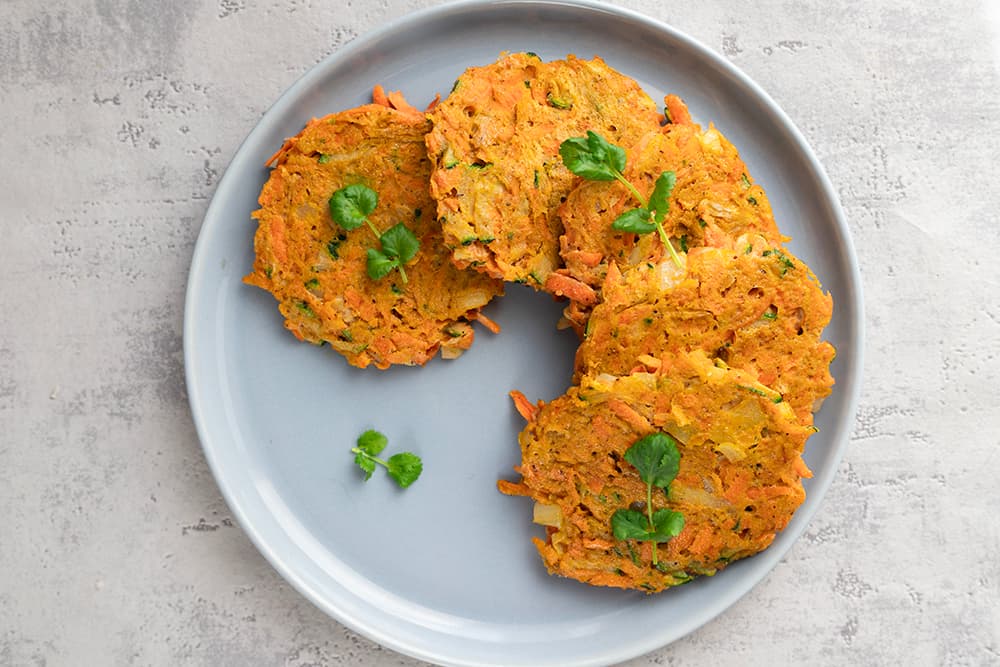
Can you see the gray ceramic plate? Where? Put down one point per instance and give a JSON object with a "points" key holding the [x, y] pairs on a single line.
{"points": [[445, 570]]}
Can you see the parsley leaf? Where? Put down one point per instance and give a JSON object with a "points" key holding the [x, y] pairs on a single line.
{"points": [[629, 525], [399, 246], [370, 444], [593, 157], [351, 206], [404, 467], [379, 265], [657, 460], [400, 243], [666, 524], [635, 220], [659, 201]]}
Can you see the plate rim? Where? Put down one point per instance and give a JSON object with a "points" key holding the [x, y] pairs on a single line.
{"points": [[850, 383]]}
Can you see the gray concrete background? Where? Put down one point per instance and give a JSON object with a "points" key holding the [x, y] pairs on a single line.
{"points": [[117, 118]]}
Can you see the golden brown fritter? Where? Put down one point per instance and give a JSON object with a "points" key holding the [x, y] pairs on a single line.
{"points": [[713, 201], [317, 271], [498, 178], [755, 306], [738, 483]]}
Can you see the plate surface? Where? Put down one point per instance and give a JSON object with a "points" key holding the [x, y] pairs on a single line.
{"points": [[445, 570]]}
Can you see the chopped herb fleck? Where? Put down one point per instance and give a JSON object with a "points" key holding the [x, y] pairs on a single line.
{"points": [[333, 247], [786, 263], [557, 102]]}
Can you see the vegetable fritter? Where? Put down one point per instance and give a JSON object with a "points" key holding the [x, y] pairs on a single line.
{"points": [[738, 484], [713, 201], [317, 270], [498, 178], [754, 306]]}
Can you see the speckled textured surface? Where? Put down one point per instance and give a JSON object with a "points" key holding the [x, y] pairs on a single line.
{"points": [[118, 117]]}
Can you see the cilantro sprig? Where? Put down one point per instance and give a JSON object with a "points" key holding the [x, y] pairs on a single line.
{"points": [[596, 159], [404, 467], [350, 207], [657, 459]]}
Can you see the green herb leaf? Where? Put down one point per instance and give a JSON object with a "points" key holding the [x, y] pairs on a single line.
{"points": [[400, 243], [635, 221], [324, 158], [366, 463], [659, 201], [405, 468], [557, 102], [666, 525], [351, 206], [629, 525], [656, 458], [592, 157], [372, 442], [378, 264]]}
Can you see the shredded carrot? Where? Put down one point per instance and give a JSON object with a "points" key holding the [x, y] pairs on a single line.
{"points": [[524, 406], [629, 415], [399, 103], [563, 285], [485, 321], [512, 489], [279, 244], [590, 259], [434, 103], [379, 97], [678, 111], [285, 147], [801, 468]]}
